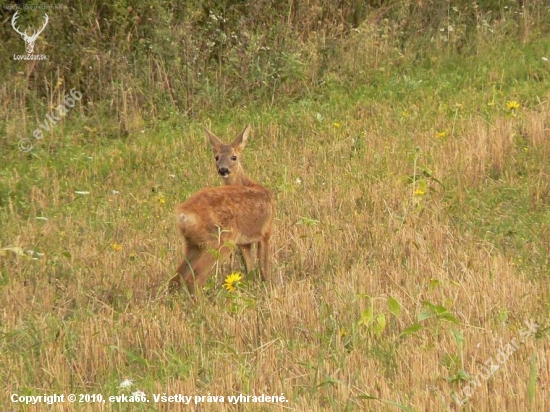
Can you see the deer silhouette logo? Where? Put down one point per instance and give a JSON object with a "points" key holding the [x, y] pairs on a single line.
{"points": [[29, 40]]}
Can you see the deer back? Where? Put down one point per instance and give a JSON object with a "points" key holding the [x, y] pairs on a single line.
{"points": [[240, 214]]}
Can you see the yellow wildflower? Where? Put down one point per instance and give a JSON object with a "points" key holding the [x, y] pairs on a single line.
{"points": [[232, 281], [117, 247], [336, 124], [512, 105], [419, 192], [441, 135]]}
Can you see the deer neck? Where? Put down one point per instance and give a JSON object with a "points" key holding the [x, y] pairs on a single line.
{"points": [[238, 179]]}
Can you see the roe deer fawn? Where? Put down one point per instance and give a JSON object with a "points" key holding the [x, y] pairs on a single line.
{"points": [[216, 218]]}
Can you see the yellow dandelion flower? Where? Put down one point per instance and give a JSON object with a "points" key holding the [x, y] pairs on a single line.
{"points": [[419, 192], [336, 124], [162, 199], [342, 332], [232, 281], [512, 105], [117, 247], [441, 135]]}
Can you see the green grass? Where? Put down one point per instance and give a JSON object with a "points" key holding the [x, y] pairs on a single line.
{"points": [[403, 259]]}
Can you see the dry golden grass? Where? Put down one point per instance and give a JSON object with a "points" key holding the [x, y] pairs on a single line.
{"points": [[410, 245], [350, 235]]}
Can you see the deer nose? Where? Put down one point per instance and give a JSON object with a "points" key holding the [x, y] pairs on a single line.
{"points": [[223, 171]]}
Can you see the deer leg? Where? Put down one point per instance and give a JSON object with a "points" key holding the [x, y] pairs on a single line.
{"points": [[263, 257], [247, 256], [193, 252], [202, 269]]}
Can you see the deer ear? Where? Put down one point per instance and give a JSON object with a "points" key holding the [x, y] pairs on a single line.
{"points": [[240, 141], [214, 140]]}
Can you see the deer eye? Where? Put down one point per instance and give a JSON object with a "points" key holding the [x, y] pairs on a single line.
{"points": [[217, 158], [233, 158]]}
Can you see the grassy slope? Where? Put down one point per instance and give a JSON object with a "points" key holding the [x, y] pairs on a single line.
{"points": [[360, 246]]}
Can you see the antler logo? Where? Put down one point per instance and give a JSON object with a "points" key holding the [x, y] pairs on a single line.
{"points": [[29, 40]]}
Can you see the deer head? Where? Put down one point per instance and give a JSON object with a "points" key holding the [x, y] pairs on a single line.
{"points": [[29, 40]]}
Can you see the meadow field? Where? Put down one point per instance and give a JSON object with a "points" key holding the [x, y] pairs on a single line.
{"points": [[410, 253]]}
